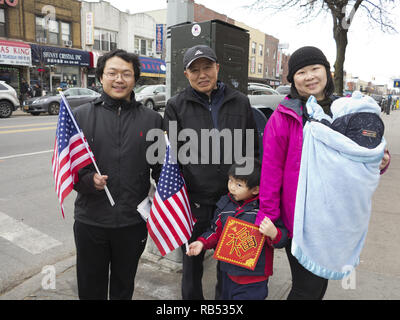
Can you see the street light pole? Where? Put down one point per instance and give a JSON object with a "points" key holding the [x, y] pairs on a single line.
{"points": [[178, 11]]}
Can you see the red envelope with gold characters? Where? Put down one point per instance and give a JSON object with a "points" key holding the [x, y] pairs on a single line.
{"points": [[240, 244]]}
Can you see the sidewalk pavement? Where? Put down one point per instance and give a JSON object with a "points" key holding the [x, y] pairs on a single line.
{"points": [[376, 278]]}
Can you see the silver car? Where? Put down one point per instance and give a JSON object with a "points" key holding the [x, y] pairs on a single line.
{"points": [[264, 98], [152, 96], [8, 100], [51, 103]]}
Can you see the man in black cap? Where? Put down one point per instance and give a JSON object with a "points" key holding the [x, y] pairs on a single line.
{"points": [[207, 104]]}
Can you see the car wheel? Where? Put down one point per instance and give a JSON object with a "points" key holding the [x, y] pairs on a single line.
{"points": [[5, 109], [149, 104], [54, 108]]}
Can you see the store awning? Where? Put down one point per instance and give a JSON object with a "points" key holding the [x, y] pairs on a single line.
{"points": [[152, 67], [55, 55], [15, 53]]}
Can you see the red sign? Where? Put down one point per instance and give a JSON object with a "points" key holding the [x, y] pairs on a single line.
{"points": [[11, 3], [240, 244]]}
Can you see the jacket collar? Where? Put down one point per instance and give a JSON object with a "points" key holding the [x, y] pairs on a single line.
{"points": [[242, 204], [116, 103], [202, 98]]}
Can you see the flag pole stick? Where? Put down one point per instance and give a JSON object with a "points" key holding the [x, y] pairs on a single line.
{"points": [[110, 198]]}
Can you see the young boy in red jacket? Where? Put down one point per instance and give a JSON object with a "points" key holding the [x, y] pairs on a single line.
{"points": [[241, 202]]}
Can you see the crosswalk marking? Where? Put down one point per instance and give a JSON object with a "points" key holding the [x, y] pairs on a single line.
{"points": [[25, 237]]}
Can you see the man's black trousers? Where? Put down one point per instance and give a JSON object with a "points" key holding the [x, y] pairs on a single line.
{"points": [[192, 273], [107, 256]]}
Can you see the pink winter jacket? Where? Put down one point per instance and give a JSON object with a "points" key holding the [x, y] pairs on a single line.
{"points": [[282, 140]]}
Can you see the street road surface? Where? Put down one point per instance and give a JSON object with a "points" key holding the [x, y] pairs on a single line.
{"points": [[33, 233]]}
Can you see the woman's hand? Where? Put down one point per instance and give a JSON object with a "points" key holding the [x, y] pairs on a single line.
{"points": [[385, 160]]}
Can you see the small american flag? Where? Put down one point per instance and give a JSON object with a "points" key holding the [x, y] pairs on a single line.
{"points": [[170, 223], [71, 153]]}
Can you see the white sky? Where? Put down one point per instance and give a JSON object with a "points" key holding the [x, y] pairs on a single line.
{"points": [[370, 52]]}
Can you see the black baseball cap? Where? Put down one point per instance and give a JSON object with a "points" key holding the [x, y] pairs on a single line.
{"points": [[196, 52]]}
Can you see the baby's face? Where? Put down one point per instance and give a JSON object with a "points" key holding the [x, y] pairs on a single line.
{"points": [[239, 190]]}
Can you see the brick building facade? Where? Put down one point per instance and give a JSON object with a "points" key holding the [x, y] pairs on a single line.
{"points": [[51, 29]]}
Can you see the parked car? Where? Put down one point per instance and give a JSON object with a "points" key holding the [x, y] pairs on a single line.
{"points": [[8, 100], [51, 103], [378, 98], [152, 96], [264, 98], [283, 89]]}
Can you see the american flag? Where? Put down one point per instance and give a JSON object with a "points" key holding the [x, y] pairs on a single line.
{"points": [[70, 153], [170, 223]]}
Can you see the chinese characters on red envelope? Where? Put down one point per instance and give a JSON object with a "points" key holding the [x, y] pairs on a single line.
{"points": [[240, 244]]}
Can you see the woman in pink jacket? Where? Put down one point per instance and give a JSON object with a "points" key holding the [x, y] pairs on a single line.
{"points": [[309, 74]]}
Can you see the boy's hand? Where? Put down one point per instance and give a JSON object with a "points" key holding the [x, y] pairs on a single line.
{"points": [[195, 248], [267, 228]]}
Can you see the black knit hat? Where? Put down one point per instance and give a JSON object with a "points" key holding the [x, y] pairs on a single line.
{"points": [[305, 56]]}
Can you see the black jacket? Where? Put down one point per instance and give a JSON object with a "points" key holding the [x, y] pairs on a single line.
{"points": [[207, 182], [116, 132]]}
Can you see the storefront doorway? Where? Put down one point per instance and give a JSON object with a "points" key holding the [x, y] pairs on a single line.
{"points": [[55, 82]]}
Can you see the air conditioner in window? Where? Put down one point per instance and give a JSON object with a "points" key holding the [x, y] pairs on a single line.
{"points": [[136, 51], [150, 53], [68, 43], [42, 40]]}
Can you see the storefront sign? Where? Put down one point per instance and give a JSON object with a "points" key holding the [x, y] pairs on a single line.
{"points": [[11, 3], [89, 29], [53, 55], [159, 38], [15, 53]]}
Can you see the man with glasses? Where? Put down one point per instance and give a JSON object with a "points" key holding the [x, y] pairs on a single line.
{"points": [[110, 239]]}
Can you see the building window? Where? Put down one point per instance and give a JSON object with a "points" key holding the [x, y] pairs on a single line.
{"points": [[253, 65], [266, 71], [50, 33], [53, 32], [253, 48], [143, 46], [260, 49], [105, 40], [2, 23], [259, 70], [65, 32]]}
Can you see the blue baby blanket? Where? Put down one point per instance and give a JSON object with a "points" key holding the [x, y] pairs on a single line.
{"points": [[333, 203]]}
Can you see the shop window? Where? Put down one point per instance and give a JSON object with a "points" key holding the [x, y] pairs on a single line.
{"points": [[2, 23]]}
